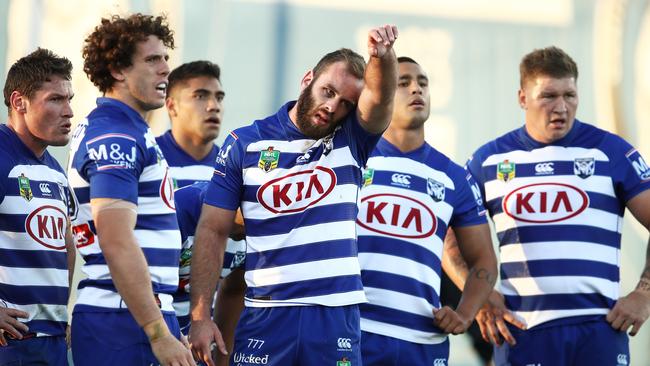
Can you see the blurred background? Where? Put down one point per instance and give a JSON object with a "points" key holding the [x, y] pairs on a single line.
{"points": [[470, 48]]}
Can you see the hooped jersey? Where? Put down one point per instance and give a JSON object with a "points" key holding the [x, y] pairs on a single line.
{"points": [[115, 155], [298, 198], [407, 203], [35, 202], [558, 212], [183, 168]]}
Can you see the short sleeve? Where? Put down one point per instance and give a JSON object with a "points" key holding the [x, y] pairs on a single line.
{"points": [[226, 186]]}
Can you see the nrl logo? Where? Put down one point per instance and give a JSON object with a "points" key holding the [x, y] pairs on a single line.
{"points": [[584, 167], [435, 189]]}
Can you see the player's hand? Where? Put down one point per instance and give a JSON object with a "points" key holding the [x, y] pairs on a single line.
{"points": [[492, 318], [203, 333], [630, 311], [449, 321], [171, 352], [381, 40], [10, 324]]}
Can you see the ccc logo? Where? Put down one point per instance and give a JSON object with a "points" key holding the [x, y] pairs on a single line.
{"points": [[544, 168], [45, 188], [401, 179], [344, 343], [440, 362]]}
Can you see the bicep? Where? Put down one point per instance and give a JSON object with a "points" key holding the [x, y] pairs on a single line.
{"points": [[639, 206], [114, 216]]}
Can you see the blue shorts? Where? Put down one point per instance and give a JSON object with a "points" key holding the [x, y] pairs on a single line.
{"points": [[298, 335], [580, 344], [381, 350], [50, 351], [113, 338]]}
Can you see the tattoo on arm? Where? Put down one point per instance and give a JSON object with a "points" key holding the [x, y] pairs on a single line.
{"points": [[644, 282], [484, 274]]}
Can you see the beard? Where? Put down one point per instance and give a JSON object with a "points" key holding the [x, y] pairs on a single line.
{"points": [[305, 111]]}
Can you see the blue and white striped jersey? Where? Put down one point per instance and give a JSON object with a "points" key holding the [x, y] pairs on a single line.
{"points": [[558, 212], [34, 205], [183, 168], [189, 201], [298, 197], [407, 203], [114, 155]]}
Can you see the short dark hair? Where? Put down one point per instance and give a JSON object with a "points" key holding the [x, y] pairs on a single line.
{"points": [[355, 63], [112, 44], [28, 74], [550, 61], [192, 70], [403, 59]]}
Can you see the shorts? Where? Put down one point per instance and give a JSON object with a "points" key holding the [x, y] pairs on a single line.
{"points": [[298, 335], [580, 344], [48, 350], [380, 350], [113, 338]]}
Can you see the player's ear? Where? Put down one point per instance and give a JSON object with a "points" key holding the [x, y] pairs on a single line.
{"points": [[521, 95], [171, 107], [306, 79], [18, 102]]}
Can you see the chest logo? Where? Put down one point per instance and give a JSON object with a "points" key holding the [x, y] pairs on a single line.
{"points": [[505, 171], [368, 175], [24, 187], [47, 225], [435, 189], [268, 159], [295, 192], [396, 215], [584, 167], [545, 202]]}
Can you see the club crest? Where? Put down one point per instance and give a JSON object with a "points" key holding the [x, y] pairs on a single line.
{"points": [[435, 189], [584, 167]]}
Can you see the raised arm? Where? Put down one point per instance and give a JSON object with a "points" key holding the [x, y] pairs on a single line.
{"points": [[375, 106], [212, 232], [633, 310]]}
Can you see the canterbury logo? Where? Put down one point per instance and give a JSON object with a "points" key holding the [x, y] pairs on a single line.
{"points": [[401, 179], [344, 343], [544, 168]]}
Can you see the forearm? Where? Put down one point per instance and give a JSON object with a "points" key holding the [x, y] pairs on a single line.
{"points": [[376, 102], [229, 305], [644, 281], [71, 255], [207, 259], [130, 274], [452, 261], [478, 285]]}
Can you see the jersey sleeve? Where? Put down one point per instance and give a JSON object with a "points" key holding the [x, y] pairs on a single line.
{"points": [[114, 163], [630, 172], [361, 141], [468, 208], [226, 187]]}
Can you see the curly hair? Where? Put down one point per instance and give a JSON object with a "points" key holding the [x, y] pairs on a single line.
{"points": [[28, 74], [112, 44]]}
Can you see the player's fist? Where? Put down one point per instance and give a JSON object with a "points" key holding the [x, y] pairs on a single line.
{"points": [[381, 40], [450, 321]]}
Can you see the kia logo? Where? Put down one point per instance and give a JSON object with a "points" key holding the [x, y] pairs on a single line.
{"points": [[396, 215], [296, 191], [47, 225], [545, 202]]}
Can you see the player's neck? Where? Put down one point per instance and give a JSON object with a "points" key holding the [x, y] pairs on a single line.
{"points": [[34, 144], [405, 140], [195, 148]]}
